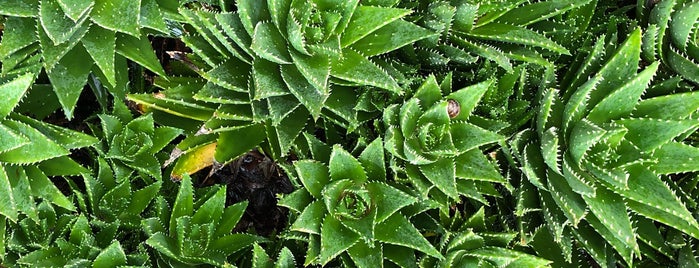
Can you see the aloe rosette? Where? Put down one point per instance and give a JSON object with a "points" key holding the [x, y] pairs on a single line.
{"points": [[474, 241], [435, 148], [60, 35], [31, 152], [196, 231], [497, 31], [348, 209], [671, 35], [135, 143], [271, 67], [599, 156]]}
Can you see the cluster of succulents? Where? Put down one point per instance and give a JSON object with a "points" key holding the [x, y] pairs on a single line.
{"points": [[327, 133]]}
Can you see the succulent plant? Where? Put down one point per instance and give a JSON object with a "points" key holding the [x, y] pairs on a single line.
{"points": [[473, 241], [348, 208], [66, 239], [671, 35], [273, 66], [498, 31], [196, 233], [60, 35], [599, 156], [135, 143], [435, 148], [30, 152]]}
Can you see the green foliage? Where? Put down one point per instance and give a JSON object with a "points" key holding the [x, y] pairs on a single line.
{"points": [[435, 148], [448, 133], [671, 35], [500, 31], [473, 242], [282, 65], [196, 233], [30, 151], [347, 207], [65, 239], [602, 153], [59, 35], [135, 144]]}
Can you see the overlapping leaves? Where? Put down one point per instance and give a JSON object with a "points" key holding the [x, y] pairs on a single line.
{"points": [[500, 31], [198, 233], [59, 35], [602, 151], [347, 208], [31, 151], [274, 66], [671, 35], [435, 147]]}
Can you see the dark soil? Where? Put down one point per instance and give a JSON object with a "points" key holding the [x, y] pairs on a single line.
{"points": [[256, 178]]}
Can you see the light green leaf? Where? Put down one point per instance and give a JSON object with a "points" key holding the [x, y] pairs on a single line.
{"points": [[570, 202], [473, 165], [584, 135], [75, 9], [56, 24], [20, 8], [112, 256], [236, 142], [335, 239], [404, 234], [68, 78], [391, 37], [11, 92], [670, 107], [442, 174], [118, 15], [231, 74], [534, 12], [313, 175], [309, 219], [651, 197], [140, 51], [152, 17], [517, 35], [183, 205], [621, 101], [610, 209], [365, 255], [8, 206], [311, 97], [252, 12], [387, 199], [467, 136], [267, 80], [372, 159], [260, 259], [367, 19], [676, 157], [43, 187], [230, 218], [344, 166], [648, 134], [358, 69], [212, 209], [22, 35], [101, 45], [683, 21], [269, 44], [315, 68], [143, 197], [468, 98], [38, 149]]}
